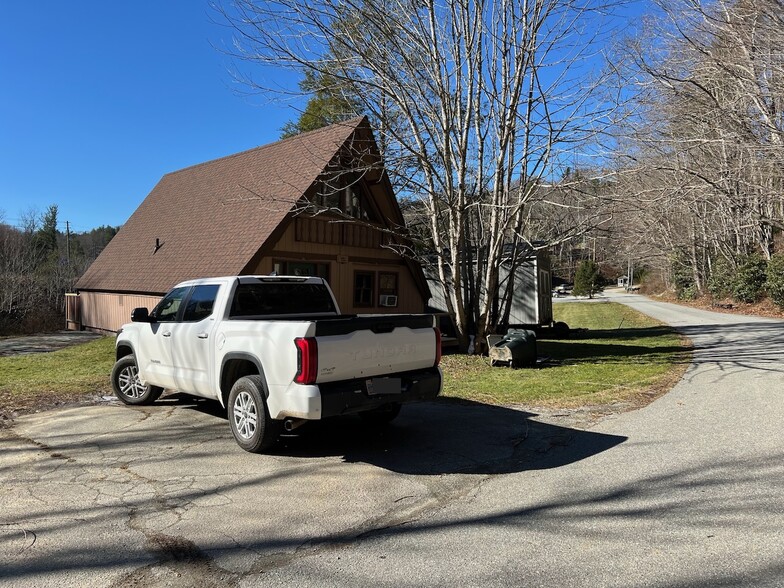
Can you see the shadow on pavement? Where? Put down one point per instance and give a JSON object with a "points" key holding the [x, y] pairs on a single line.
{"points": [[692, 500], [746, 345], [438, 438]]}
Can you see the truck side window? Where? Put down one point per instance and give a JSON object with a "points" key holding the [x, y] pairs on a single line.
{"points": [[200, 303], [167, 309]]}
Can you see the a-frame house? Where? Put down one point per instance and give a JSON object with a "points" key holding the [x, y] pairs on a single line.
{"points": [[319, 204]]}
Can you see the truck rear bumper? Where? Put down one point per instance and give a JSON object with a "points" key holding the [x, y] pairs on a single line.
{"points": [[354, 396]]}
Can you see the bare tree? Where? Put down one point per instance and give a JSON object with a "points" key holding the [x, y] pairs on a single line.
{"points": [[18, 284], [711, 131], [36, 271], [476, 104]]}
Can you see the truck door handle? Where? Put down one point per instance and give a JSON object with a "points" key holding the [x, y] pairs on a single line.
{"points": [[167, 334], [202, 335]]}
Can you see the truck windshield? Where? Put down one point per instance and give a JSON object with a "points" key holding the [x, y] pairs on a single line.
{"points": [[275, 298]]}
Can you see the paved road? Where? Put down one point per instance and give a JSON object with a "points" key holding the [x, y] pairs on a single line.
{"points": [[686, 492], [693, 497]]}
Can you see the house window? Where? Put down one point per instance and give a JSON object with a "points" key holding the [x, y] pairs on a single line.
{"points": [[364, 286], [327, 196], [387, 289], [352, 203], [301, 268], [342, 192]]}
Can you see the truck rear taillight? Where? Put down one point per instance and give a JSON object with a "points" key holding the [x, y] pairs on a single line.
{"points": [[438, 346], [307, 360]]}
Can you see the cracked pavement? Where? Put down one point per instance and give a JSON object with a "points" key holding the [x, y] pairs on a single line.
{"points": [[688, 491], [112, 495]]}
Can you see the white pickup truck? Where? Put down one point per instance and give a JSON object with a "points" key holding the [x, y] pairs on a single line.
{"points": [[275, 352]]}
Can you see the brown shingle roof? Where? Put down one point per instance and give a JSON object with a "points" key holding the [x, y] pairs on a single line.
{"points": [[210, 219]]}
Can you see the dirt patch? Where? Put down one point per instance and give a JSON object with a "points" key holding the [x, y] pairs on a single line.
{"points": [[12, 406]]}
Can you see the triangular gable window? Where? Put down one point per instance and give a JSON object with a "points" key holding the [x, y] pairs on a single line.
{"points": [[345, 195]]}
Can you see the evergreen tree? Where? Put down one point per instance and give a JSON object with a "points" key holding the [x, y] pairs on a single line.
{"points": [[588, 280], [46, 237], [749, 282], [328, 104]]}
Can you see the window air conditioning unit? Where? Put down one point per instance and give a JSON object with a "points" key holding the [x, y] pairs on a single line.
{"points": [[388, 300]]}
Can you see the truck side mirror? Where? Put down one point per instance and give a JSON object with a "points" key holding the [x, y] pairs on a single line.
{"points": [[140, 315]]}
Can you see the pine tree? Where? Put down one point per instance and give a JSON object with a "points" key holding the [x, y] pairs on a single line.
{"points": [[588, 279], [328, 104], [46, 237]]}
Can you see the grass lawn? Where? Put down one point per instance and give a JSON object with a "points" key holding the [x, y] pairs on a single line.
{"points": [[624, 356], [60, 376]]}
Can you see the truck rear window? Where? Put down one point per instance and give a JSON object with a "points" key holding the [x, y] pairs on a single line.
{"points": [[276, 298]]}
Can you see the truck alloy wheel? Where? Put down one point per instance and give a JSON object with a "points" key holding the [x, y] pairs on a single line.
{"points": [[251, 425], [128, 387], [245, 415]]}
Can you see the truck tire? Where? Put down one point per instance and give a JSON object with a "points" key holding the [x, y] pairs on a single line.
{"points": [[127, 386], [381, 415], [251, 425]]}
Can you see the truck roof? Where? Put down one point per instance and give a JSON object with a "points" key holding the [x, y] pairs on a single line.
{"points": [[226, 280]]}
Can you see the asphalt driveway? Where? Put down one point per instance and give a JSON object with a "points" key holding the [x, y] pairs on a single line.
{"points": [[688, 491], [115, 496], [43, 342]]}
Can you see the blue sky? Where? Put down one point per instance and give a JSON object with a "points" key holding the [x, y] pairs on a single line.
{"points": [[98, 100]]}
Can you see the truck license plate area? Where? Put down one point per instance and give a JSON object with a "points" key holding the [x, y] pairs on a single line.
{"points": [[380, 386]]}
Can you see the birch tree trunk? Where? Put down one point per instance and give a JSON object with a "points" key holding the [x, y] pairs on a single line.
{"points": [[478, 105]]}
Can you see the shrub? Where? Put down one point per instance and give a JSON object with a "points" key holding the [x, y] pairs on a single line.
{"points": [[721, 279], [775, 281], [749, 281], [690, 292], [683, 277]]}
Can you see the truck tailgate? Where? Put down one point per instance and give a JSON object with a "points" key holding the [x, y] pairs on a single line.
{"points": [[360, 347]]}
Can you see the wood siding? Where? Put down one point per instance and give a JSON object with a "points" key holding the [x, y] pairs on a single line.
{"points": [[345, 248], [344, 260], [102, 311], [335, 232], [73, 318]]}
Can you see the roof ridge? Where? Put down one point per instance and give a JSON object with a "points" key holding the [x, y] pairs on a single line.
{"points": [[352, 124]]}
